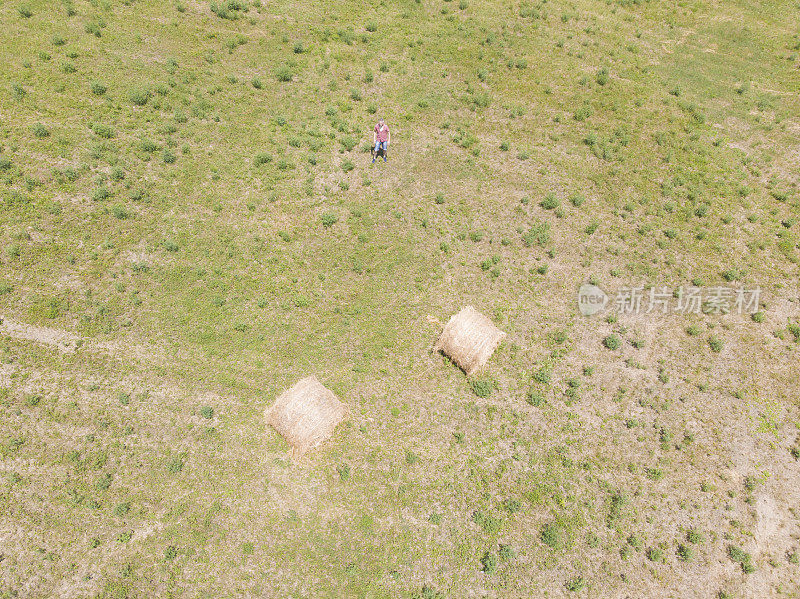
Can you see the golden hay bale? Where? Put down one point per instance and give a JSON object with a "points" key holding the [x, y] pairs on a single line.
{"points": [[306, 414], [469, 339]]}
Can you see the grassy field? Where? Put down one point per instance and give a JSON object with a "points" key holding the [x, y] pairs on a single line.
{"points": [[190, 222]]}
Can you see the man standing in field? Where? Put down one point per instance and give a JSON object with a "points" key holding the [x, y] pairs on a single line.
{"points": [[381, 137]]}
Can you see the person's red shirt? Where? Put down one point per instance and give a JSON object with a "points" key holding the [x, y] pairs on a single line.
{"points": [[382, 133]]}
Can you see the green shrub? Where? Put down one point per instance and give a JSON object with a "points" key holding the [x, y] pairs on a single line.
{"points": [[101, 193], [732, 274], [175, 465], [655, 554], [483, 387], [119, 211], [257, 83], [512, 506], [715, 344], [148, 145], [694, 537], [538, 234], [488, 563], [95, 28], [229, 9], [284, 73], [328, 219], [553, 535], [506, 553], [535, 398], [685, 552], [207, 412], [612, 342], [480, 99], [102, 130], [654, 473], [582, 113], [348, 142], [428, 593], [98, 89], [602, 76], [576, 200], [139, 96], [124, 537], [543, 375], [575, 584], [40, 131], [550, 202], [488, 523], [742, 558], [616, 509], [262, 158]]}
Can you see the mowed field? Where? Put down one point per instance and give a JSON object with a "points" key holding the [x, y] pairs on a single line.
{"points": [[190, 222]]}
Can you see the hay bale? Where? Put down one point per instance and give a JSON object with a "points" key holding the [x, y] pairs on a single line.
{"points": [[306, 414], [469, 339]]}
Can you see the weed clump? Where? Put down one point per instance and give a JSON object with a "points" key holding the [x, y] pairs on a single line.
{"points": [[230, 9], [139, 96], [575, 584], [741, 557], [261, 158], [553, 535], [488, 523], [489, 562], [538, 234], [483, 387], [284, 73], [428, 593]]}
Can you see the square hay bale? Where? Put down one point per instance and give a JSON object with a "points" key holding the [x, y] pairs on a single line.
{"points": [[306, 414], [469, 339]]}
